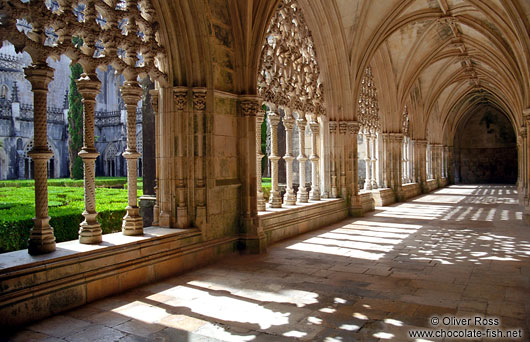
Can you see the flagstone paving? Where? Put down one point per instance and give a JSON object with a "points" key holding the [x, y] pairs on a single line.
{"points": [[462, 252]]}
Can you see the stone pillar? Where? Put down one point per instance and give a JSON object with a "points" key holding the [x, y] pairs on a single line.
{"points": [[526, 211], [396, 140], [368, 162], [253, 237], [41, 238], [421, 163], [166, 155], [156, 208], [522, 155], [259, 156], [314, 194], [181, 102], [303, 196], [275, 200], [333, 157], [373, 139], [288, 122], [132, 221], [355, 208], [90, 229], [343, 130], [385, 161], [199, 127], [324, 166]]}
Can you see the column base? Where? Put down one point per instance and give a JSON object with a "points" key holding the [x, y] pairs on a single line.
{"points": [[147, 203], [132, 222], [262, 205], [156, 215], [276, 200], [200, 217], [289, 198], [314, 195], [303, 196], [182, 217], [90, 233], [164, 220], [253, 244], [43, 240]]}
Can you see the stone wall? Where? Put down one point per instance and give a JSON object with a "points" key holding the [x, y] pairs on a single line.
{"points": [[486, 149]]}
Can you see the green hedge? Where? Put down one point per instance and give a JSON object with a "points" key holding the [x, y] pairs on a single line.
{"points": [[105, 182], [66, 204]]}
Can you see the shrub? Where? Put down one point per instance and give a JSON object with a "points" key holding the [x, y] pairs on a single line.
{"points": [[66, 204]]}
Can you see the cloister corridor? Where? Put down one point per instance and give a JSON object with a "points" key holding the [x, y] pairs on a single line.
{"points": [[460, 251]]}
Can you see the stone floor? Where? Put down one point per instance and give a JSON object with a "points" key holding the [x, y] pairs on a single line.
{"points": [[462, 252]]}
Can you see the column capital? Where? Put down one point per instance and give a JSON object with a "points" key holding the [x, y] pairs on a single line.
{"points": [[131, 93], [288, 121], [274, 118], [180, 95], [526, 114], [523, 131], [314, 127], [250, 106], [89, 86], [199, 99], [333, 125], [39, 75], [154, 99], [353, 127], [343, 127]]}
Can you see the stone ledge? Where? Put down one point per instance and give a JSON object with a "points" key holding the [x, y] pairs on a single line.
{"points": [[78, 274], [411, 190], [282, 223]]}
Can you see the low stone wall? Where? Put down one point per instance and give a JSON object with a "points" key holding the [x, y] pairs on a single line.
{"points": [[432, 184], [280, 224], [411, 190], [383, 197], [32, 288], [367, 201]]}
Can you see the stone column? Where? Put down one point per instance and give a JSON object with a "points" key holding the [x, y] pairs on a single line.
{"points": [[421, 163], [253, 238], [288, 122], [90, 229], [368, 163], [397, 148], [156, 208], [181, 103], [132, 221], [373, 138], [199, 107], [355, 199], [167, 101], [314, 194], [324, 165], [275, 200], [41, 238], [343, 130], [526, 211], [522, 182], [385, 161], [333, 157], [259, 156], [303, 195]]}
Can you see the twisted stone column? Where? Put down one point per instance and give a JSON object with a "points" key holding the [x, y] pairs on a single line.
{"points": [[275, 200], [288, 122], [41, 238], [368, 163], [156, 208], [302, 196], [132, 221], [90, 229], [333, 135], [314, 194]]}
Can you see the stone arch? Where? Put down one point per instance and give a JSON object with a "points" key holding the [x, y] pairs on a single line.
{"points": [[111, 160]]}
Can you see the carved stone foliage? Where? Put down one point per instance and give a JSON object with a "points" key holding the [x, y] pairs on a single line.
{"points": [[405, 122], [368, 115], [289, 74], [103, 32]]}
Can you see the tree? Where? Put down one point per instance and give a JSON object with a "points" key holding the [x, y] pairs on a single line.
{"points": [[75, 124]]}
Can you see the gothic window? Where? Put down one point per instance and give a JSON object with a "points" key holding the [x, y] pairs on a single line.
{"points": [[3, 91], [370, 129], [290, 86]]}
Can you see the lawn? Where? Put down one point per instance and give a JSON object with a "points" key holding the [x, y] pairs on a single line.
{"points": [[66, 203]]}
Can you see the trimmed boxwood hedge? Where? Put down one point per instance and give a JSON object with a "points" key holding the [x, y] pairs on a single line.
{"points": [[66, 205], [105, 182]]}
